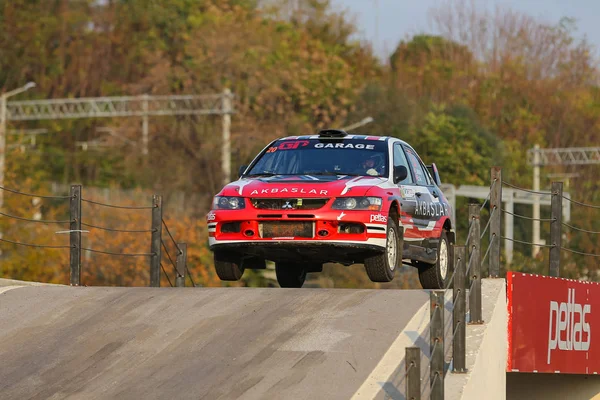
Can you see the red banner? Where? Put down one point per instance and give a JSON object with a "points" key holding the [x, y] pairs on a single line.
{"points": [[553, 325]]}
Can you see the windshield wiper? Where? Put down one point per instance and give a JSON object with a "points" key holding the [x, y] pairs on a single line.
{"points": [[332, 174], [262, 174]]}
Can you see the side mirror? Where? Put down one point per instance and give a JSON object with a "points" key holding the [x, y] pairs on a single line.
{"points": [[241, 170], [433, 171], [400, 173]]}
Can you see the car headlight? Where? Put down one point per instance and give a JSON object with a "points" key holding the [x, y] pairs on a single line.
{"points": [[228, 203], [357, 203]]}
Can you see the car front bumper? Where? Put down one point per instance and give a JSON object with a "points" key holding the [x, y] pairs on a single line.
{"points": [[334, 235]]}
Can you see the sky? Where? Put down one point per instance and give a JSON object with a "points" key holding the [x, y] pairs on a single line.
{"points": [[385, 22]]}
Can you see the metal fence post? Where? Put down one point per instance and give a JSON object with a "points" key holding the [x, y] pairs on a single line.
{"points": [[436, 345], [75, 235], [155, 248], [475, 265], [181, 263], [556, 228], [412, 360], [459, 311], [495, 214]]}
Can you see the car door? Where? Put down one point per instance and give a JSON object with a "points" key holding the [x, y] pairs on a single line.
{"points": [[408, 199], [430, 206]]}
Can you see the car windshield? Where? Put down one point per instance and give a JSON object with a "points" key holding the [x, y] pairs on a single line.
{"points": [[323, 157]]}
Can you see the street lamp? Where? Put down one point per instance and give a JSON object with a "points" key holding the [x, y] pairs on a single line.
{"points": [[358, 124], [3, 100]]}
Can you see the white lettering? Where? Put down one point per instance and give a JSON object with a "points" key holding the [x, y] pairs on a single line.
{"points": [[359, 146], [378, 218], [211, 216], [319, 145], [370, 147], [289, 190], [339, 145], [568, 321]]}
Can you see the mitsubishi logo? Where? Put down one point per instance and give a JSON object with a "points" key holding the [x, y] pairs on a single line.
{"points": [[287, 206]]}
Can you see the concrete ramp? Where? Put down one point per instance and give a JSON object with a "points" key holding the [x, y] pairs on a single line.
{"points": [[208, 343]]}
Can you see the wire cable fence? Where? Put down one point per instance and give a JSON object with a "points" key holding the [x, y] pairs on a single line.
{"points": [[77, 248], [556, 224]]}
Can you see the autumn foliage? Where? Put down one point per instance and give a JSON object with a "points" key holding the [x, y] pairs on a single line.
{"points": [[481, 93]]}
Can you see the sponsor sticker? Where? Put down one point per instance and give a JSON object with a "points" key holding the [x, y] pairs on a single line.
{"points": [[378, 218], [293, 145], [345, 146], [569, 330], [211, 216], [289, 190], [407, 193], [430, 209]]}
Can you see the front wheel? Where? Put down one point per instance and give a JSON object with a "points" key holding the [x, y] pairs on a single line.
{"points": [[290, 275], [227, 270], [437, 276], [382, 267]]}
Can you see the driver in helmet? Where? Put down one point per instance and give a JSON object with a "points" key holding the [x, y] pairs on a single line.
{"points": [[371, 165]]}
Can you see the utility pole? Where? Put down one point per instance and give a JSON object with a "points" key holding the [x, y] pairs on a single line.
{"points": [[536, 201], [226, 145], [145, 125], [3, 99]]}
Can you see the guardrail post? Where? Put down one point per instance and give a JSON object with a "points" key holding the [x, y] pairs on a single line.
{"points": [[459, 312], [556, 228], [436, 345], [495, 214], [155, 248], [412, 361], [75, 235], [474, 274], [181, 262]]}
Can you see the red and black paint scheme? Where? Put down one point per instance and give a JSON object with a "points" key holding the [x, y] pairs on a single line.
{"points": [[333, 197]]}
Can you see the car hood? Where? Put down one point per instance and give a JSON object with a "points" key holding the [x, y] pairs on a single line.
{"points": [[302, 185]]}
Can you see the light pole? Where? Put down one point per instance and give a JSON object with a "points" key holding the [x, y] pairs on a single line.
{"points": [[358, 124], [3, 99]]}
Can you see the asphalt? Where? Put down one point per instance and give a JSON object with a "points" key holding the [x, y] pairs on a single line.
{"points": [[207, 343]]}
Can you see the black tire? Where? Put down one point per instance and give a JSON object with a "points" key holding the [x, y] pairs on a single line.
{"points": [[227, 270], [290, 275], [378, 267], [432, 276]]}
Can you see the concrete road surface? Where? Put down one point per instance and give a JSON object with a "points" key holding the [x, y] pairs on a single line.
{"points": [[208, 343]]}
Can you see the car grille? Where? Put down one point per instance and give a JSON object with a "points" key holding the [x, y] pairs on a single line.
{"points": [[288, 204], [280, 229]]}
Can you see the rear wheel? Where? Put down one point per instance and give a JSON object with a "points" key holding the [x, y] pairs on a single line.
{"points": [[290, 275], [226, 269], [437, 276], [382, 267]]}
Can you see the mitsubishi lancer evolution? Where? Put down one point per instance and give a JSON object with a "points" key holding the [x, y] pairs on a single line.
{"points": [[333, 197]]}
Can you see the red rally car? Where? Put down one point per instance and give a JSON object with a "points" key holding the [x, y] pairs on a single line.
{"points": [[333, 197]]}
